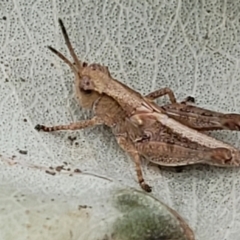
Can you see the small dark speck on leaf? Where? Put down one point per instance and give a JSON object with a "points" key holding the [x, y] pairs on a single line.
{"points": [[4, 18], [59, 168], [51, 173], [52, 64], [206, 37], [83, 207], [6, 80], [23, 152], [25, 120], [72, 139], [77, 170], [22, 79]]}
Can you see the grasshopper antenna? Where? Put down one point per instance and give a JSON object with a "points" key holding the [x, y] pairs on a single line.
{"points": [[64, 59], [69, 45]]}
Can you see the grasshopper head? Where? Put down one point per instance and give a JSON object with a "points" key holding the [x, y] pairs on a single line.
{"points": [[95, 77], [87, 97]]}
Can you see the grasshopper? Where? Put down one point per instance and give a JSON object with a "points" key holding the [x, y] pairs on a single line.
{"points": [[141, 127]]}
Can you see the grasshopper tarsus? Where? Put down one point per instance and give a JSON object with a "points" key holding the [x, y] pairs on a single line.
{"points": [[43, 128], [188, 99], [39, 127], [145, 187]]}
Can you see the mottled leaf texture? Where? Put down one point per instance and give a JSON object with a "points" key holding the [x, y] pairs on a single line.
{"points": [[191, 47]]}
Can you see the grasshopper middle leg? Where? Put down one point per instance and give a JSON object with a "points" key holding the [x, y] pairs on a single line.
{"points": [[167, 91], [162, 92], [128, 147]]}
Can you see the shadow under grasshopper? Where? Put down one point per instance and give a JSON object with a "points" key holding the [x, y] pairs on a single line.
{"points": [[141, 127]]}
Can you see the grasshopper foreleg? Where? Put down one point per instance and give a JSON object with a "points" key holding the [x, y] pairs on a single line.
{"points": [[72, 126]]}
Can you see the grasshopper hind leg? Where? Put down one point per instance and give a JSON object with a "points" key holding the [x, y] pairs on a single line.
{"points": [[172, 155]]}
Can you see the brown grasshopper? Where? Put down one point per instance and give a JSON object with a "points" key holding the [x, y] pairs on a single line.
{"points": [[141, 127]]}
